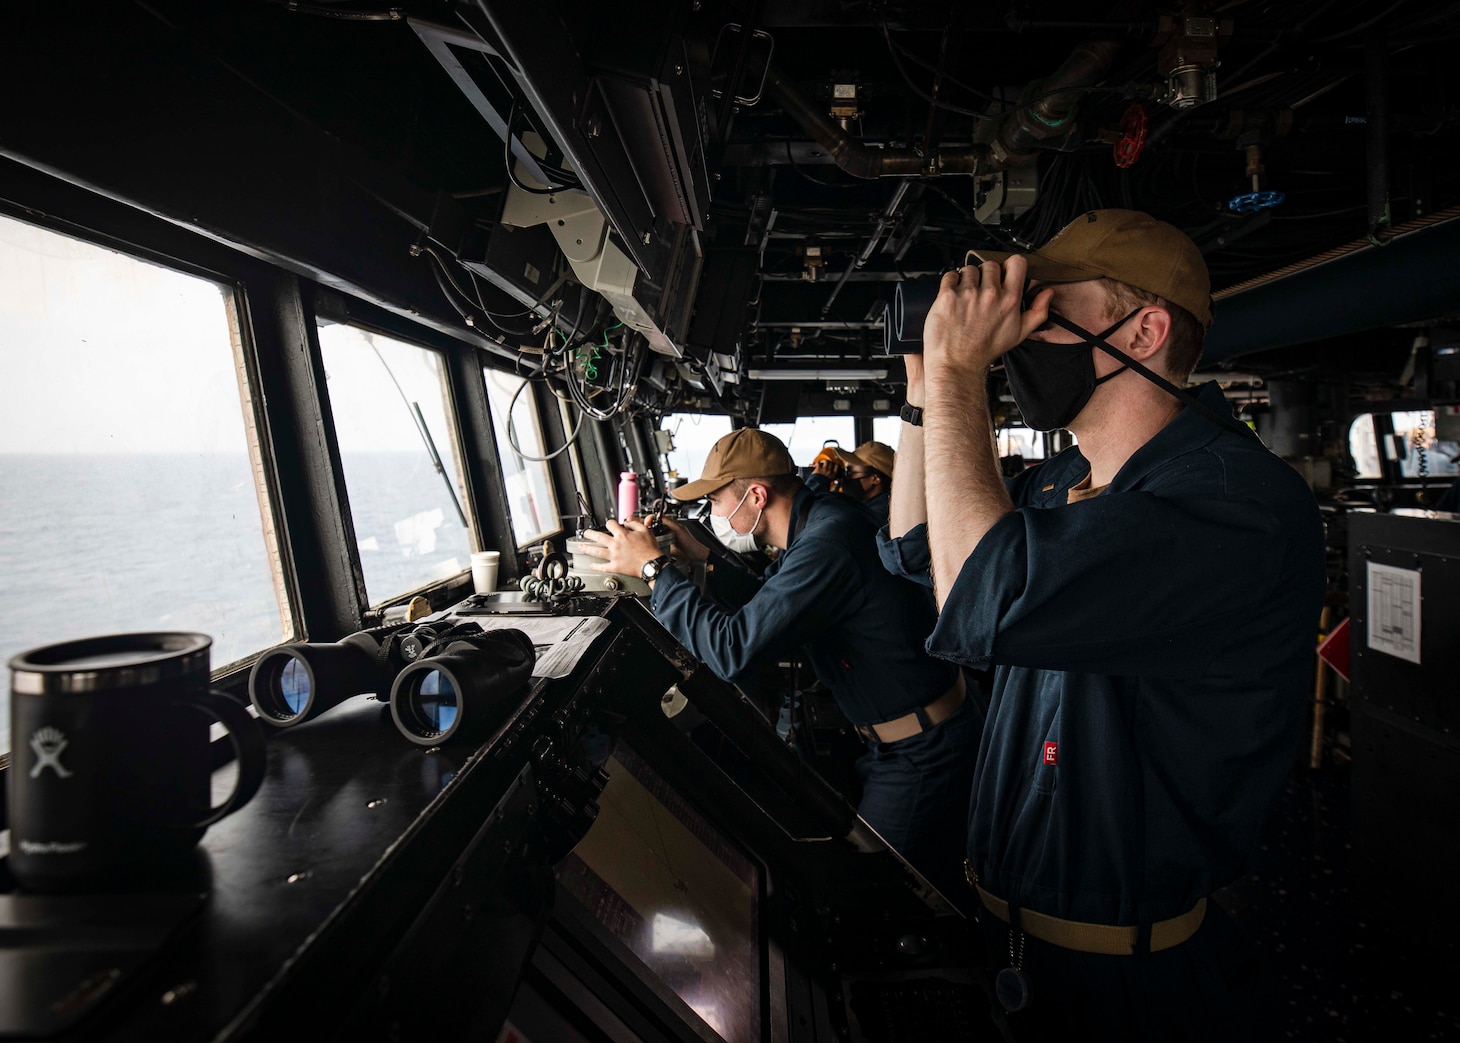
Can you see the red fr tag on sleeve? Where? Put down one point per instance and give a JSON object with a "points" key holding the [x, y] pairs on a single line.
{"points": [[1052, 753]]}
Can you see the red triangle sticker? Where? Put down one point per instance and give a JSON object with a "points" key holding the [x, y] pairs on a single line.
{"points": [[1333, 649]]}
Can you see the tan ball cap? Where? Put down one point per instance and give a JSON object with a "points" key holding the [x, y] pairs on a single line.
{"points": [[1128, 246], [877, 455], [747, 453]]}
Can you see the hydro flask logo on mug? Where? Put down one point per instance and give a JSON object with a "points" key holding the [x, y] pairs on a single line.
{"points": [[125, 720], [48, 744]]}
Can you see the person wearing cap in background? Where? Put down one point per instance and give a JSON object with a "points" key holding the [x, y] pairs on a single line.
{"points": [[1148, 601], [866, 476], [863, 630]]}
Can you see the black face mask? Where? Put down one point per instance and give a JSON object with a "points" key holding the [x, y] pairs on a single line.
{"points": [[1052, 382]]}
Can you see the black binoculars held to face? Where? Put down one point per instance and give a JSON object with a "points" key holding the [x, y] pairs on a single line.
{"points": [[902, 321], [902, 324], [444, 679]]}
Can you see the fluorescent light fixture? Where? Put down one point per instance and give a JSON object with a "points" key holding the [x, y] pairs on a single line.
{"points": [[817, 374]]}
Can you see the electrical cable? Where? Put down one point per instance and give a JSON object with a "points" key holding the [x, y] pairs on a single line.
{"points": [[944, 73], [892, 49], [446, 271], [627, 386], [446, 291], [990, 230], [512, 431], [537, 588], [1417, 439], [590, 369], [477, 288], [449, 283]]}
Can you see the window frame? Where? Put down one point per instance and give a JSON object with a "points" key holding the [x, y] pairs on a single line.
{"points": [[326, 303], [275, 303], [601, 456], [816, 450], [277, 340], [550, 433], [564, 419], [489, 513], [111, 226], [1381, 425], [235, 282]]}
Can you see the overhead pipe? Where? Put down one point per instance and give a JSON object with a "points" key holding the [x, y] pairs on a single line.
{"points": [[1057, 98], [857, 158], [1018, 131]]}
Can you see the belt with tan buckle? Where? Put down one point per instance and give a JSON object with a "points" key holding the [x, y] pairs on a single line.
{"points": [[1103, 939], [921, 720]]}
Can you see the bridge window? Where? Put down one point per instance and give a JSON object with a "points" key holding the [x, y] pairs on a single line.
{"points": [[1414, 444], [887, 430], [1414, 431], [530, 496], [129, 460], [808, 434], [694, 434], [396, 431], [1363, 447], [1021, 441]]}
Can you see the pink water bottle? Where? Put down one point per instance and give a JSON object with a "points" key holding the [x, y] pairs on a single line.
{"points": [[628, 495]]}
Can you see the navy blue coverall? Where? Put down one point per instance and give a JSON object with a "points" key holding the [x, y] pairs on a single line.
{"points": [[1153, 651], [878, 506], [863, 631]]}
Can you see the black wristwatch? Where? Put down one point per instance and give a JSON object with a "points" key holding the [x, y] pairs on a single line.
{"points": [[912, 415], [652, 569]]}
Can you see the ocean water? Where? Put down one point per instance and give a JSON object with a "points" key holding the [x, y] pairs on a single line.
{"points": [[406, 524], [99, 544]]}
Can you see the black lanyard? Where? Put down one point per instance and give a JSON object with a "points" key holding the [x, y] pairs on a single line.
{"points": [[1098, 340]]}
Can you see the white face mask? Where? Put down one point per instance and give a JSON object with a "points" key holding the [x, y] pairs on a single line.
{"points": [[740, 542]]}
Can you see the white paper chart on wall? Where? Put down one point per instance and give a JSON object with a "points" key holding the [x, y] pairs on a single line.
{"points": [[1394, 611]]}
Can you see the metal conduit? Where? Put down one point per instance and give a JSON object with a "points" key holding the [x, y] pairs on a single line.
{"points": [[1029, 126], [1019, 131]]}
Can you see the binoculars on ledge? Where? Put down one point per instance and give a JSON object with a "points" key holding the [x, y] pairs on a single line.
{"points": [[444, 680]]}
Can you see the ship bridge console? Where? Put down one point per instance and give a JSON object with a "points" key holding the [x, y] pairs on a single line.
{"points": [[630, 854]]}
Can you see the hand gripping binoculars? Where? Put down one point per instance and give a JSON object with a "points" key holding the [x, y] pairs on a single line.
{"points": [[445, 679], [902, 320]]}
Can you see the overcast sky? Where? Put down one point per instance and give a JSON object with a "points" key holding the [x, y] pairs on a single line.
{"points": [[370, 413], [100, 352], [103, 353]]}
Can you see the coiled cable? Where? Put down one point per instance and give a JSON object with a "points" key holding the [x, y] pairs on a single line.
{"points": [[538, 589]]}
